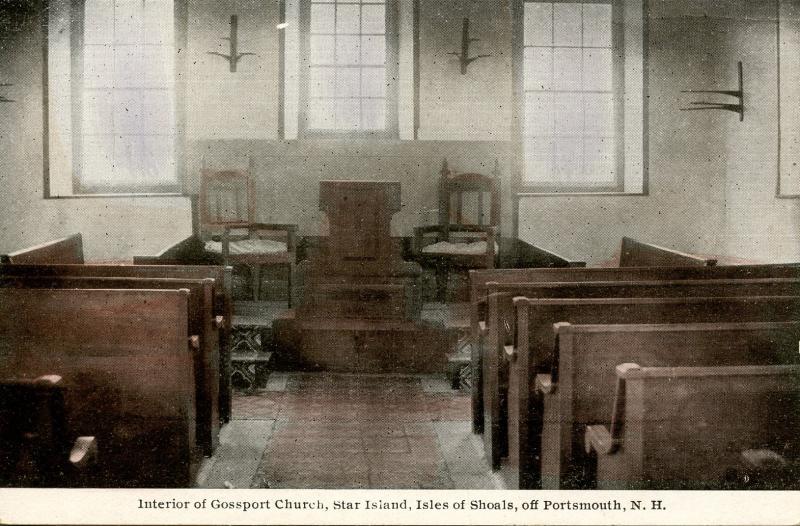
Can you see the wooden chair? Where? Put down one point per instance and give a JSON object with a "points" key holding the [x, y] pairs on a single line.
{"points": [[457, 242], [228, 227]]}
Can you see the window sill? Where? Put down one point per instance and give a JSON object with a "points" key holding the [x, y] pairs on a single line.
{"points": [[580, 194], [111, 196]]}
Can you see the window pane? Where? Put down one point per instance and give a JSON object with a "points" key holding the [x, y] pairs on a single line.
{"points": [[348, 114], [568, 109], [538, 68], [373, 114], [157, 112], [159, 22], [127, 158], [98, 108], [98, 66], [538, 114], [348, 19], [323, 18], [320, 114], [539, 159], [98, 158], [128, 112], [567, 69], [347, 82], [373, 50], [322, 82], [538, 24], [599, 160], [597, 69], [322, 49], [98, 25], [373, 82], [597, 25], [373, 19], [158, 66], [158, 159], [567, 24], [568, 159], [347, 50], [128, 21], [128, 67], [599, 114]]}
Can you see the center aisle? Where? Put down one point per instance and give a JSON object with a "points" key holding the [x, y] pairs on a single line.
{"points": [[341, 431]]}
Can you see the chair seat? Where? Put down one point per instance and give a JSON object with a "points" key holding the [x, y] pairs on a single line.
{"points": [[248, 246], [476, 248]]}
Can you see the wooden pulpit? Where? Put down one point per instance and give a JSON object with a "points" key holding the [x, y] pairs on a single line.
{"points": [[361, 304]]}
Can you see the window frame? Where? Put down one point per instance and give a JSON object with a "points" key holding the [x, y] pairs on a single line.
{"points": [[617, 90], [391, 130], [79, 188]]}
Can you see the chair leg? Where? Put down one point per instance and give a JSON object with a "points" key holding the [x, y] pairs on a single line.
{"points": [[256, 272], [441, 282], [289, 284]]}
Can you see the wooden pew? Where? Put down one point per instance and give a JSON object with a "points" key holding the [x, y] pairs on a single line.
{"points": [[579, 388], [535, 338], [689, 427], [126, 364], [480, 278], [637, 254], [201, 323], [497, 328], [65, 250], [223, 303], [36, 449], [516, 253]]}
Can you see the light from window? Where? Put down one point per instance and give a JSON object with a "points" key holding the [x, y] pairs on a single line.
{"points": [[569, 129], [127, 132], [347, 65]]}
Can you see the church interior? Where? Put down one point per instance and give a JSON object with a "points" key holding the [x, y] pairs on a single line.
{"points": [[405, 244]]}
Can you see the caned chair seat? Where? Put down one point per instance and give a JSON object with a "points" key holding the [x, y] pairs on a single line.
{"points": [[453, 248], [248, 246]]}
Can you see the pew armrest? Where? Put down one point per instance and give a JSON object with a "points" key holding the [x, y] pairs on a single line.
{"points": [[599, 438], [510, 353], [83, 453], [544, 384]]}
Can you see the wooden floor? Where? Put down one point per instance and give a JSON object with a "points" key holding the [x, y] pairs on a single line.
{"points": [[323, 430]]}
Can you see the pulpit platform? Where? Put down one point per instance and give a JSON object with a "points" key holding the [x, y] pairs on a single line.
{"points": [[360, 308]]}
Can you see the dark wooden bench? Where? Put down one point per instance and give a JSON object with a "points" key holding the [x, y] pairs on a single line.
{"points": [[638, 254], [64, 250], [127, 368], [201, 323], [535, 339], [480, 278], [500, 321], [223, 302], [579, 388], [696, 427]]}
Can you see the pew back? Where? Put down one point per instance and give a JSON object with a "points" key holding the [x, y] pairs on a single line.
{"points": [[637, 254], [127, 372], [535, 337], [687, 427], [64, 250], [489, 408], [579, 389], [201, 324]]}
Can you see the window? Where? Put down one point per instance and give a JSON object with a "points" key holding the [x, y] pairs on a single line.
{"points": [[115, 104], [350, 80], [570, 85]]}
